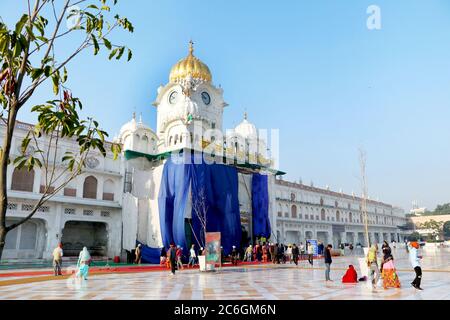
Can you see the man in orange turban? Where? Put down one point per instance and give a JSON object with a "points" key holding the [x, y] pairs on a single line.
{"points": [[414, 258]]}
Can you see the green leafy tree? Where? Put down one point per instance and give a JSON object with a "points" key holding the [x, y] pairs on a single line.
{"points": [[415, 236], [437, 228], [443, 209], [28, 60], [447, 230]]}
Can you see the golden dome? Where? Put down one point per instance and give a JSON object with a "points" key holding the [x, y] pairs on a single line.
{"points": [[192, 66]]}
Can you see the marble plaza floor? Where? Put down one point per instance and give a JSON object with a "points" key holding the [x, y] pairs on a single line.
{"points": [[250, 282]]}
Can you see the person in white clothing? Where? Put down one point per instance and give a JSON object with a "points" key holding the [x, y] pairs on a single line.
{"points": [[289, 253], [414, 258], [192, 257]]}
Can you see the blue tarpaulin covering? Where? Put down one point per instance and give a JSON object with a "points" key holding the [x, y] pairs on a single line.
{"points": [[219, 185], [149, 255], [260, 206]]}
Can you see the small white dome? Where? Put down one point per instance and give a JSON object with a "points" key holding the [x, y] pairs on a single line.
{"points": [[246, 129], [133, 126]]}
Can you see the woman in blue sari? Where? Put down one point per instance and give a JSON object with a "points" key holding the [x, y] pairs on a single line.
{"points": [[84, 259]]}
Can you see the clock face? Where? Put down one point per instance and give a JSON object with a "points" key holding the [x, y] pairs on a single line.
{"points": [[206, 98], [173, 97]]}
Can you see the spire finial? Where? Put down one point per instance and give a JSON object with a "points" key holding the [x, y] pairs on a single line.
{"points": [[191, 47], [140, 117], [134, 115], [245, 115]]}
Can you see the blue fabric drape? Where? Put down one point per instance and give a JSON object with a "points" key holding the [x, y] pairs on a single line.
{"points": [[219, 185], [260, 206], [149, 255], [172, 202]]}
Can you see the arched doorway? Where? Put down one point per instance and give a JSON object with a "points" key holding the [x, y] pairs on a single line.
{"points": [[27, 241], [79, 234], [294, 211], [322, 214], [90, 188]]}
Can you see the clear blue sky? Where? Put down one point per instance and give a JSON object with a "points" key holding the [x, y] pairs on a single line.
{"points": [[310, 68]]}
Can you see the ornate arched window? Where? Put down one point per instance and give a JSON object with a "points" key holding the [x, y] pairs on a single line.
{"points": [[108, 190], [350, 217], [22, 180], [90, 187], [321, 201], [338, 216], [322, 214], [294, 211]]}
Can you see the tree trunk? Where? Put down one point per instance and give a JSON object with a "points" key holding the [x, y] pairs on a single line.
{"points": [[2, 240], [3, 169]]}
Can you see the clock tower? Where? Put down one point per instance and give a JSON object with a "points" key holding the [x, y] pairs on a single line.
{"points": [[188, 105]]}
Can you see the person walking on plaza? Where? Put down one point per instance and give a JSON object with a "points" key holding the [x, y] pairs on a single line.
{"points": [[172, 257], [234, 256], [271, 251], [372, 263], [275, 254], [310, 249], [138, 254], [342, 247], [84, 260], [280, 257], [269, 254], [163, 256], [414, 258], [394, 244], [265, 253], [295, 253], [328, 261], [389, 273], [351, 248], [179, 254], [289, 253], [259, 254], [320, 248], [192, 257], [57, 260], [248, 253], [302, 250]]}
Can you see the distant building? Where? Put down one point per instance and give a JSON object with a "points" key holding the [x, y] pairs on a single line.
{"points": [[306, 212]]}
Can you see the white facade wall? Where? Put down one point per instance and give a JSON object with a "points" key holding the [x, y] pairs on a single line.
{"points": [[330, 216], [52, 217]]}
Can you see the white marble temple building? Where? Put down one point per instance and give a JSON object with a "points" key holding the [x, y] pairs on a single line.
{"points": [[115, 202]]}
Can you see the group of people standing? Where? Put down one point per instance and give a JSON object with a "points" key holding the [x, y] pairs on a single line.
{"points": [[279, 253], [173, 257], [83, 263], [387, 269]]}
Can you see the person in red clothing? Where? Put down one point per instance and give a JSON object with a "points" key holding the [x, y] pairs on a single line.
{"points": [[264, 253], [350, 276], [179, 254]]}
